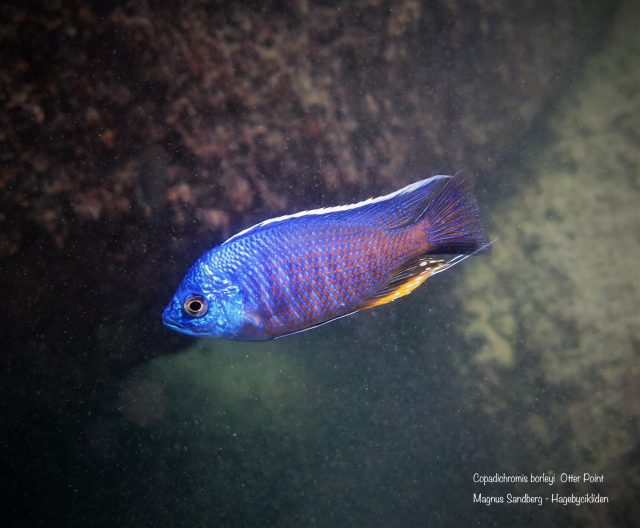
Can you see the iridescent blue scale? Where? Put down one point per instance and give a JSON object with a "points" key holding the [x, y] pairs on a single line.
{"points": [[292, 273]]}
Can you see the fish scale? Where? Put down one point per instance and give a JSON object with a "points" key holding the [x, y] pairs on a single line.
{"points": [[349, 275], [296, 272]]}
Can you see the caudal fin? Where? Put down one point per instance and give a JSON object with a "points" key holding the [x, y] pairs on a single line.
{"points": [[452, 219]]}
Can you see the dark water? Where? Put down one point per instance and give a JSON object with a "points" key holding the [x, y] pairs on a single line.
{"points": [[331, 428], [524, 361]]}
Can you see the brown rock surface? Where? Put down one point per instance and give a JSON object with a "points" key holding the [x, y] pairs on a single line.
{"points": [[135, 137]]}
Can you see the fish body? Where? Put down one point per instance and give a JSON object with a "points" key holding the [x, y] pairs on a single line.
{"points": [[296, 272]]}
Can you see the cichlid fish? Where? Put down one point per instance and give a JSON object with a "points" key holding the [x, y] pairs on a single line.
{"points": [[299, 271]]}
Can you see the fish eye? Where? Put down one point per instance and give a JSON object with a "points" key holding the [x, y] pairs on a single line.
{"points": [[195, 306]]}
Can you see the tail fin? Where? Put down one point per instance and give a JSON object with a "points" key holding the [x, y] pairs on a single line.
{"points": [[453, 219]]}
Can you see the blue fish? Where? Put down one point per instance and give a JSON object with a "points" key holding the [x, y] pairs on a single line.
{"points": [[299, 271]]}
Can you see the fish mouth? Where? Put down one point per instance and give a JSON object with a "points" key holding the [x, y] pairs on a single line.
{"points": [[177, 327], [171, 323]]}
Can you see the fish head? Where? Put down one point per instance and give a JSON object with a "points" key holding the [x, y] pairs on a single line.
{"points": [[206, 303]]}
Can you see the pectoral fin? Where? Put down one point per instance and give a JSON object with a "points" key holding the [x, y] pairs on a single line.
{"points": [[253, 328]]}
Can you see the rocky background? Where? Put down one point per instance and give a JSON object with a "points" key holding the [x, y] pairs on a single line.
{"points": [[554, 314], [134, 137]]}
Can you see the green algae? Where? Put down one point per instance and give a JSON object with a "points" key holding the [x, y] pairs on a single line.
{"points": [[554, 310], [253, 386]]}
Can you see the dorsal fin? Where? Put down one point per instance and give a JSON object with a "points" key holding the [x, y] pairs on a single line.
{"points": [[394, 210], [404, 207]]}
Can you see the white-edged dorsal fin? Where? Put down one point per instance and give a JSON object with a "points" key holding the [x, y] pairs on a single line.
{"points": [[365, 206]]}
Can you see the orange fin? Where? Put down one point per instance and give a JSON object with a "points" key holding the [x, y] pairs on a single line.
{"points": [[406, 279]]}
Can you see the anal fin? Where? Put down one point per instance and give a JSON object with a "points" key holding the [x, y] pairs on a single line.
{"points": [[406, 279], [411, 275]]}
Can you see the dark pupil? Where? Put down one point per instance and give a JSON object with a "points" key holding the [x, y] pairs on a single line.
{"points": [[195, 306]]}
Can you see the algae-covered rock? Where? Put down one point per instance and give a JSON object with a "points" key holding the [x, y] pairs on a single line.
{"points": [[137, 135], [199, 113], [210, 436], [555, 309]]}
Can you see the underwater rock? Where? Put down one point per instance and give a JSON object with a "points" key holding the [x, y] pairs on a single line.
{"points": [[554, 309], [240, 104], [130, 132]]}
